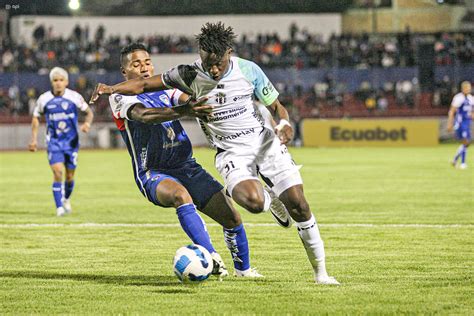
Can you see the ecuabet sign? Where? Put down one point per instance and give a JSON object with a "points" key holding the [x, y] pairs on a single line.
{"points": [[339, 133]]}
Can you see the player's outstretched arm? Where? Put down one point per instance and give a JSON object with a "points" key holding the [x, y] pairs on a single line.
{"points": [[32, 146], [129, 87], [283, 129], [188, 107]]}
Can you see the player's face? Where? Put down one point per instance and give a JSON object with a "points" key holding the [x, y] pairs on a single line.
{"points": [[466, 88], [59, 84], [139, 65], [216, 66]]}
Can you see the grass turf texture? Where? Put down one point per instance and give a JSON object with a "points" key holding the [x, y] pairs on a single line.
{"points": [[116, 270]]}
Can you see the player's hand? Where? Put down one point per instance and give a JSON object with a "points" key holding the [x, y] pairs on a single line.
{"points": [[99, 90], [285, 134], [85, 127], [32, 146], [450, 128], [196, 108], [284, 131]]}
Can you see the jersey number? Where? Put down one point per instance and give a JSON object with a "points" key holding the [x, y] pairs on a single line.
{"points": [[230, 165]]}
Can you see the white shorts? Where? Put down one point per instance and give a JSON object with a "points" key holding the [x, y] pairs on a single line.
{"points": [[267, 157]]}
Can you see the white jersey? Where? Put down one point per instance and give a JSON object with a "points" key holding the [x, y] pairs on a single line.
{"points": [[235, 119]]}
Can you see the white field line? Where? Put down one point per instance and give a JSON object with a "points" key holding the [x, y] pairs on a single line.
{"points": [[163, 225]]}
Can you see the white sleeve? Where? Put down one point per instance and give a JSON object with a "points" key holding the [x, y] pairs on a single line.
{"points": [[457, 100], [174, 95], [39, 108], [120, 104], [80, 102]]}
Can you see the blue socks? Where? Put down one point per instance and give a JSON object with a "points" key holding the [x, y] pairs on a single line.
{"points": [[461, 153], [58, 194], [236, 241], [68, 187], [194, 226]]}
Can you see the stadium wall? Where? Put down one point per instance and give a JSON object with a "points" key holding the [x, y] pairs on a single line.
{"points": [[306, 78], [106, 135], [101, 135], [22, 27]]}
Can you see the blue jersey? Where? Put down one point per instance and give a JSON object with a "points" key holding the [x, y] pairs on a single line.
{"points": [[61, 114], [153, 147], [464, 105]]}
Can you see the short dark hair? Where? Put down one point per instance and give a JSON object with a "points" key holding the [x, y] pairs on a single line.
{"points": [[130, 48], [215, 38]]}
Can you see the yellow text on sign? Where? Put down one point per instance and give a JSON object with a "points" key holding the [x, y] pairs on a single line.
{"points": [[340, 133]]}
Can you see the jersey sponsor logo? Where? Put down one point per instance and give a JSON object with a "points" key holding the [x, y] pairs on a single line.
{"points": [[236, 135], [227, 114], [220, 86], [61, 116], [268, 89], [51, 106], [65, 105], [340, 134], [242, 97]]}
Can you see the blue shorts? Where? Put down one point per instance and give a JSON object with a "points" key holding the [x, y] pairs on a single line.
{"points": [[68, 157], [463, 132], [200, 184]]}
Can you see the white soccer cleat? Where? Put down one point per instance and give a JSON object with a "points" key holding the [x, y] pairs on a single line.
{"points": [[219, 268], [463, 166], [67, 206], [326, 280], [278, 210], [60, 211], [250, 273]]}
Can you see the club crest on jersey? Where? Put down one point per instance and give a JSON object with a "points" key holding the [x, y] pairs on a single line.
{"points": [[170, 133], [221, 98], [64, 105], [164, 99]]}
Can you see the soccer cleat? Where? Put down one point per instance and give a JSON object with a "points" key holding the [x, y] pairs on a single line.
{"points": [[453, 163], [250, 273], [67, 206], [278, 210], [326, 280], [60, 211], [463, 166], [219, 268]]}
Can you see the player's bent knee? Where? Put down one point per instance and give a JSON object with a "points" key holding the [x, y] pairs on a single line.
{"points": [[180, 197], [252, 203]]}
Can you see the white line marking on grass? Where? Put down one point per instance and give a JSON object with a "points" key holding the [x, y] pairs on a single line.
{"points": [[162, 225]]}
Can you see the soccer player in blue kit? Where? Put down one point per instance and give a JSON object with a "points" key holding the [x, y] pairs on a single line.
{"points": [[460, 117], [164, 169], [247, 147], [60, 107]]}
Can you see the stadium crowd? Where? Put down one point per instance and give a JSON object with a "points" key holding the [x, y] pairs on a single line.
{"points": [[83, 52], [302, 49]]}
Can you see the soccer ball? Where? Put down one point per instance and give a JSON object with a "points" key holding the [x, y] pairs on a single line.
{"points": [[192, 263]]}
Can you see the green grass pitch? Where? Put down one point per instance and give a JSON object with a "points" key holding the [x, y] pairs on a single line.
{"points": [[397, 224]]}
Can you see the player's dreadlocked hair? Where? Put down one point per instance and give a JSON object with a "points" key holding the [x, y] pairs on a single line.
{"points": [[129, 49], [215, 38]]}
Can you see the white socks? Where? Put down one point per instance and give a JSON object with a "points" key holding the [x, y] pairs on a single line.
{"points": [[309, 234], [267, 202]]}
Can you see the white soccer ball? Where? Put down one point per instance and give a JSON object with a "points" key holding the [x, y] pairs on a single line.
{"points": [[192, 263]]}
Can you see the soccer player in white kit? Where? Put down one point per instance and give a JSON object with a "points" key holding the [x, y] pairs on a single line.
{"points": [[246, 146]]}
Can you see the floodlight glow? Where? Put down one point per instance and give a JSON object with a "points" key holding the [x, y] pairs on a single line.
{"points": [[74, 4]]}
